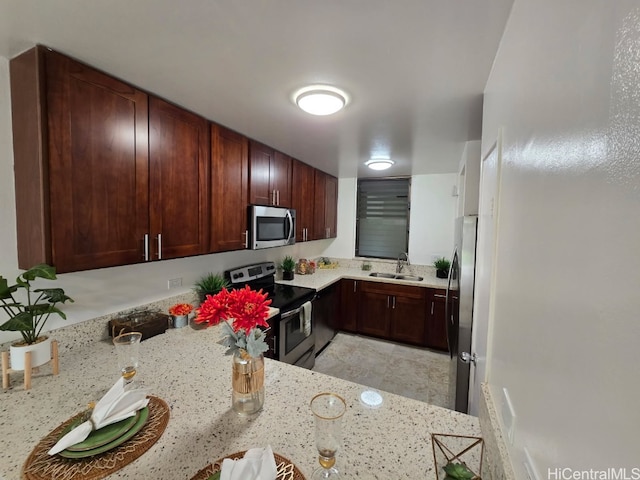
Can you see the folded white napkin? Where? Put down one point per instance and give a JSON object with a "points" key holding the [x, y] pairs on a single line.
{"points": [[257, 464], [116, 405]]}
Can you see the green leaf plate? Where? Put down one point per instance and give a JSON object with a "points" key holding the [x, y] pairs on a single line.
{"points": [[105, 435], [140, 419]]}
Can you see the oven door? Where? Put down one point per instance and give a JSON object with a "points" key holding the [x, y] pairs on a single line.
{"points": [[296, 344]]}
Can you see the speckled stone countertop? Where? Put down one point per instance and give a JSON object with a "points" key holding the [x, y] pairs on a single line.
{"points": [[322, 278], [188, 369]]}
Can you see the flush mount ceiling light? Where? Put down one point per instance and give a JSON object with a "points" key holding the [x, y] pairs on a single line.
{"points": [[379, 163], [320, 99]]}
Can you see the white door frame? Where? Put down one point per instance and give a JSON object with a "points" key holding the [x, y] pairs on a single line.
{"points": [[485, 281]]}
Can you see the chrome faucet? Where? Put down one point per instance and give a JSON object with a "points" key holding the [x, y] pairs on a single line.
{"points": [[400, 264]]}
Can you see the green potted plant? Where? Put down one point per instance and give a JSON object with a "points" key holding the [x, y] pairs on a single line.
{"points": [[288, 266], [210, 284], [29, 317], [442, 267]]}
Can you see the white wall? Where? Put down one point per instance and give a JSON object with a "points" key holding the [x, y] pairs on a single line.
{"points": [[566, 89]]}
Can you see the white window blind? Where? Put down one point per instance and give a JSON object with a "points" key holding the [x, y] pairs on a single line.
{"points": [[382, 217]]}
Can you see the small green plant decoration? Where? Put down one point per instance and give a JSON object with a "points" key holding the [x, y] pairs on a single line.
{"points": [[458, 471], [30, 317], [210, 284], [288, 266], [442, 267]]}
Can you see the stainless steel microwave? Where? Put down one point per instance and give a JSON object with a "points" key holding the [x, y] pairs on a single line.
{"points": [[271, 226]]}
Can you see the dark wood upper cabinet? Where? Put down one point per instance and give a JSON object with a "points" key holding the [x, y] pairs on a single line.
{"points": [[280, 178], [90, 164], [229, 189], [325, 206], [302, 199], [260, 157], [269, 176], [179, 181], [107, 174]]}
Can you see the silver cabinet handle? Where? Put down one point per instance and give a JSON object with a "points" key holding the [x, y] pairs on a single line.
{"points": [[432, 308], [273, 196], [304, 234], [388, 298], [246, 238], [278, 197], [394, 302], [159, 237], [145, 247], [437, 295], [355, 286]]}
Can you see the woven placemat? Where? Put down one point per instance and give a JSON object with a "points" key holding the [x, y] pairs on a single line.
{"points": [[286, 469], [42, 466]]}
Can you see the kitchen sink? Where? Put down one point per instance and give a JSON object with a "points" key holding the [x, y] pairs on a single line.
{"points": [[382, 275], [397, 276]]}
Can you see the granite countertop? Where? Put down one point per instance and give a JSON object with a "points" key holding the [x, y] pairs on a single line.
{"points": [[322, 277], [188, 369]]}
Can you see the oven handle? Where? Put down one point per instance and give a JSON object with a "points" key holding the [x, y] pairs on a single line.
{"points": [[291, 313]]}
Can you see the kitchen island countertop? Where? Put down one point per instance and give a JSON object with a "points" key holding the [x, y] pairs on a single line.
{"points": [[188, 369]]}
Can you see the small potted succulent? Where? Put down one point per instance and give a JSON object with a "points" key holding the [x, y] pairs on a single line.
{"points": [[29, 317], [442, 267], [210, 284], [288, 266]]}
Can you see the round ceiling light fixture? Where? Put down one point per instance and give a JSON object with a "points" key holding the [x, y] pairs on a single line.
{"points": [[320, 99], [379, 163]]}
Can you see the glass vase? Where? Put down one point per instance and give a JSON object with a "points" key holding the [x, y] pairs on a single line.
{"points": [[248, 383]]}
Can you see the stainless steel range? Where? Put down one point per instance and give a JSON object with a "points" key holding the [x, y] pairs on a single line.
{"points": [[291, 337]]}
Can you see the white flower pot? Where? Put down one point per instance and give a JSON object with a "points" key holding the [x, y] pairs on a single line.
{"points": [[40, 354]]}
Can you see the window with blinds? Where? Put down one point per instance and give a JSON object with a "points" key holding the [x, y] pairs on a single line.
{"points": [[382, 220]]}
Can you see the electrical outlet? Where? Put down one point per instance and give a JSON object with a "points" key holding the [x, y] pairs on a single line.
{"points": [[174, 283]]}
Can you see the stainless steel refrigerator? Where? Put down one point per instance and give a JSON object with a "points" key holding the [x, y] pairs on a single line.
{"points": [[459, 309]]}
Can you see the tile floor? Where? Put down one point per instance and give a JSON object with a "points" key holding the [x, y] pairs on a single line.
{"points": [[408, 371]]}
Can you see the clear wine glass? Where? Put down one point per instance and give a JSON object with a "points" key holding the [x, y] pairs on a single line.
{"points": [[328, 409], [128, 351]]}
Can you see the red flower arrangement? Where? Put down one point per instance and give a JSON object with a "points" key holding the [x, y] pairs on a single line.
{"points": [[180, 309], [246, 309]]}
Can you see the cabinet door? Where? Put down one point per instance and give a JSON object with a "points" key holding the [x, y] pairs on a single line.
{"points": [[280, 179], [229, 187], [436, 334], [302, 199], [98, 167], [408, 318], [319, 205], [179, 181], [260, 157], [349, 305], [375, 300], [331, 206]]}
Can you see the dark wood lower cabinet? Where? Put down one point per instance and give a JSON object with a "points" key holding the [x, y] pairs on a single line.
{"points": [[394, 312], [349, 303], [436, 334], [390, 311]]}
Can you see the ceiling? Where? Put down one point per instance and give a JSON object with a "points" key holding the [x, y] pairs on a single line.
{"points": [[415, 70]]}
